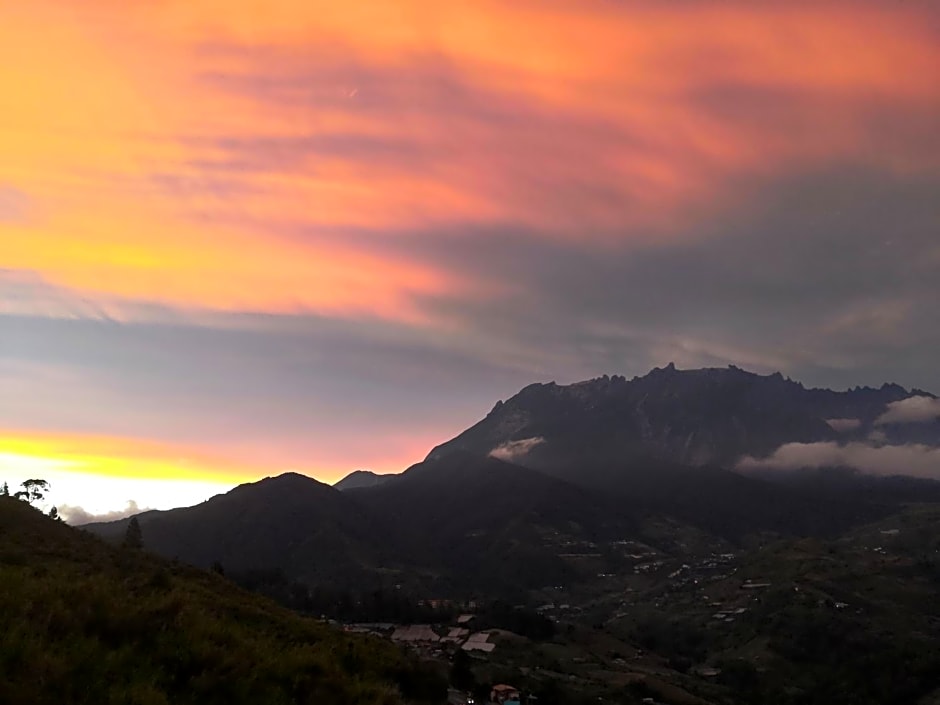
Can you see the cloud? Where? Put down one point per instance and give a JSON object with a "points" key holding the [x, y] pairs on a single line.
{"points": [[25, 292], [513, 450], [919, 409], [14, 205], [603, 124], [76, 516], [296, 391], [844, 425], [439, 135], [590, 312], [914, 460]]}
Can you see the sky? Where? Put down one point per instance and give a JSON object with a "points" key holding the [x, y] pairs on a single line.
{"points": [[241, 237]]}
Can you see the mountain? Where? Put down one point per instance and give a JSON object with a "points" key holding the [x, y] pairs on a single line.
{"points": [[84, 622], [685, 417], [537, 492], [464, 525], [290, 523], [451, 526], [669, 441], [360, 478]]}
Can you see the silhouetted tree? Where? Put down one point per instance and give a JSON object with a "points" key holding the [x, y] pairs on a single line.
{"points": [[133, 537], [54, 514], [461, 677], [33, 491], [5, 490], [217, 567]]}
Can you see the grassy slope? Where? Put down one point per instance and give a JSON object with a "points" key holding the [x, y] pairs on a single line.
{"points": [[83, 622]]}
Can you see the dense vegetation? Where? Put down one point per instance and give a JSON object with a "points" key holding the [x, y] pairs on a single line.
{"points": [[344, 604], [395, 606], [85, 622]]}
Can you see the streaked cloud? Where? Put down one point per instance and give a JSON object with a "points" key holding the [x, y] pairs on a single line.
{"points": [[844, 425], [14, 205], [109, 456], [513, 450], [314, 394], [198, 134]]}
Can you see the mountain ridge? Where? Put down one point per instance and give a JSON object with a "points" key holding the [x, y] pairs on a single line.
{"points": [[583, 464], [709, 416]]}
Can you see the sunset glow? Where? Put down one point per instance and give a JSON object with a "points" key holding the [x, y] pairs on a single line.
{"points": [[214, 213]]}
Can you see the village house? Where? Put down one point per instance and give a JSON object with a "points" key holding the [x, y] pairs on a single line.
{"points": [[415, 633], [505, 695], [479, 642]]}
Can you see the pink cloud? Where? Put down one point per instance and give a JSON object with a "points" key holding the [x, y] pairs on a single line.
{"points": [[919, 409]]}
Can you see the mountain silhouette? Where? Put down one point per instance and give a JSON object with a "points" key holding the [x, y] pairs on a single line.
{"points": [[533, 493]]}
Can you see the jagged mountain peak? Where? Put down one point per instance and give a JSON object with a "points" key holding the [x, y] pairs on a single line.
{"points": [[696, 416]]}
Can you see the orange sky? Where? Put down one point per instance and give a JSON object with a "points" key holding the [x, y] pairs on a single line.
{"points": [[281, 157], [111, 122]]}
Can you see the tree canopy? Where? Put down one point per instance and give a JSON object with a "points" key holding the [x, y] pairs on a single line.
{"points": [[33, 490], [133, 537]]}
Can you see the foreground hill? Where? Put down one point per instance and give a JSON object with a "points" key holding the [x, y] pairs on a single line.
{"points": [[84, 622]]}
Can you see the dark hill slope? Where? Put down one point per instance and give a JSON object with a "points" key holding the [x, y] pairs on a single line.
{"points": [[464, 523], [84, 622], [290, 523], [730, 505], [487, 522]]}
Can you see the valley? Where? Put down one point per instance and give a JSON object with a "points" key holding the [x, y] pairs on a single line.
{"points": [[801, 621]]}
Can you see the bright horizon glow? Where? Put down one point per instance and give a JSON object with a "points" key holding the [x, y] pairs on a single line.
{"points": [[101, 475], [109, 498]]}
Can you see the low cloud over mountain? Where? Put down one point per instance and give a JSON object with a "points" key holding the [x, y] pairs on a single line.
{"points": [[919, 409], [515, 449], [76, 516], [915, 460], [844, 425]]}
